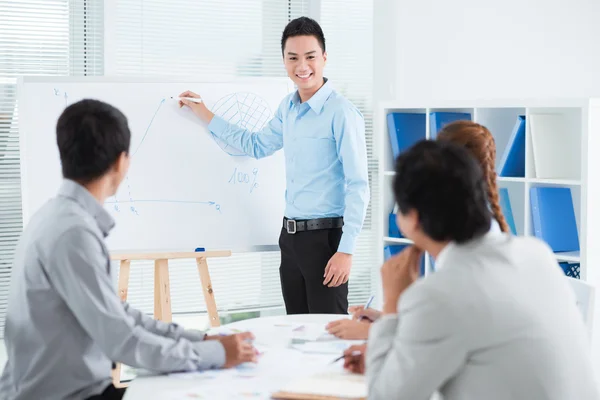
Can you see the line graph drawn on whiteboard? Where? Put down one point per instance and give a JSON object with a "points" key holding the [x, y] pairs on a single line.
{"points": [[244, 109], [113, 200], [133, 201]]}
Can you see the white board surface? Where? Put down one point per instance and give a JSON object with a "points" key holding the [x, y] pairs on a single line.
{"points": [[184, 189]]}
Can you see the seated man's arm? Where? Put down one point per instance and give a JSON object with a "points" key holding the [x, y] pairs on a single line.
{"points": [[161, 328], [78, 269], [411, 354]]}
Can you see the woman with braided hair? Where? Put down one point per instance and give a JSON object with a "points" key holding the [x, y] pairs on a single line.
{"points": [[480, 143]]}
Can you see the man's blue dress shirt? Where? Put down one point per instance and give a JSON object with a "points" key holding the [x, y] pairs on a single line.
{"points": [[325, 157]]}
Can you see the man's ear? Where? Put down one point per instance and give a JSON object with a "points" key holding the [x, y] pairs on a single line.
{"points": [[408, 223], [122, 164], [325, 56]]}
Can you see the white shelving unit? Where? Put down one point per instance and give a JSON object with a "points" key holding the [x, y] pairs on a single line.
{"points": [[578, 166]]}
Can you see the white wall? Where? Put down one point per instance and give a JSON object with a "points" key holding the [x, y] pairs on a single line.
{"points": [[470, 49]]}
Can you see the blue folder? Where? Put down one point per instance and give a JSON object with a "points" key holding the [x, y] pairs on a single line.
{"points": [[394, 230], [405, 129], [389, 251], [512, 163], [437, 120], [507, 210], [553, 217]]}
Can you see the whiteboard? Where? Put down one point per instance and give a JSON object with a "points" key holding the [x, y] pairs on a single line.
{"points": [[184, 189]]}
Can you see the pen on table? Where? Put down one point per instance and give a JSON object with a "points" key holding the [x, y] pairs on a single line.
{"points": [[193, 99], [354, 353], [367, 305]]}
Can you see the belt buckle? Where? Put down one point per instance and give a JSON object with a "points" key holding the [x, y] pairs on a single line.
{"points": [[291, 226]]}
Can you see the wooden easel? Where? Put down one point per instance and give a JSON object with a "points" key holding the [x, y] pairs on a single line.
{"points": [[162, 291]]}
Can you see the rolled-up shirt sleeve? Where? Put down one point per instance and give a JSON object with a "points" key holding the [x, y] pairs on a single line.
{"points": [[79, 270]]}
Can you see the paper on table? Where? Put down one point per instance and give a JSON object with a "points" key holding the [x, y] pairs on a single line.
{"points": [[312, 332], [277, 335], [336, 384], [216, 393], [195, 375], [327, 347], [254, 381]]}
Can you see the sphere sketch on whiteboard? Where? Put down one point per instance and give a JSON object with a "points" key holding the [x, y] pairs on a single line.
{"points": [[244, 109]]}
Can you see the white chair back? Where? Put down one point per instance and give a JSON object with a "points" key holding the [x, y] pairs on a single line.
{"points": [[584, 294]]}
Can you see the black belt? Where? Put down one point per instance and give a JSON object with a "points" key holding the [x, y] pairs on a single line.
{"points": [[292, 226]]}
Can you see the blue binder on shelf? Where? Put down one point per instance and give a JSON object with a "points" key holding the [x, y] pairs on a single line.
{"points": [[393, 230], [392, 250], [507, 210], [405, 129], [512, 163], [437, 120], [553, 217]]}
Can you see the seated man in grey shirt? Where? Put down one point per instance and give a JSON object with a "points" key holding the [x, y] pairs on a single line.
{"points": [[65, 324]]}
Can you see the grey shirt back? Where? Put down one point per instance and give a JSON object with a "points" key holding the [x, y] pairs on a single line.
{"points": [[65, 323]]}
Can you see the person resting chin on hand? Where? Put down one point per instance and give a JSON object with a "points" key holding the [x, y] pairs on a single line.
{"points": [[397, 274]]}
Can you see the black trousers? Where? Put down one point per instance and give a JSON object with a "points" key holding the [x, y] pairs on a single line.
{"points": [[304, 256], [110, 393]]}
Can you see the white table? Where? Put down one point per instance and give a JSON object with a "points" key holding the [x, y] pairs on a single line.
{"points": [[150, 387]]}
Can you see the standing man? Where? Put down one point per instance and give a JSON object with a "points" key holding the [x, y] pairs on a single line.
{"points": [[323, 137]]}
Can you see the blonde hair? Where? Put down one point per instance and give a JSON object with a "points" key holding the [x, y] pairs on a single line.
{"points": [[480, 142]]}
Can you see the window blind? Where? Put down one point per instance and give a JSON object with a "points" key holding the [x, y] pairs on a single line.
{"points": [[233, 38], [43, 37], [348, 29]]}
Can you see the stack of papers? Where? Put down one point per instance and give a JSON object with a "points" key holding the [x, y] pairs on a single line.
{"points": [[334, 384]]}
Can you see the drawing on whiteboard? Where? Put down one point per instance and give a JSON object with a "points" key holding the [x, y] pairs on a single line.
{"points": [[244, 178], [148, 128], [65, 95], [132, 202], [207, 203], [244, 109]]}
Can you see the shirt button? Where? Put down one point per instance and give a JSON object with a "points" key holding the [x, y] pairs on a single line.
{"points": [[292, 181]]}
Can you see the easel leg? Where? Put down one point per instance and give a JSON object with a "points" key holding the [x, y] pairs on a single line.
{"points": [[162, 291], [207, 290], [123, 286], [124, 279]]}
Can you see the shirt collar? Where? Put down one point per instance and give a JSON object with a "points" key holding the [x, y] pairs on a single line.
{"points": [[439, 260], [84, 198], [317, 101], [490, 235]]}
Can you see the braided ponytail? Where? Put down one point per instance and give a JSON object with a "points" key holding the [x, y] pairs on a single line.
{"points": [[493, 196], [480, 142]]}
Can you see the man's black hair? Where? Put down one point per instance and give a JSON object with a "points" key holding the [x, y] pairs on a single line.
{"points": [[91, 135], [444, 183], [303, 26]]}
